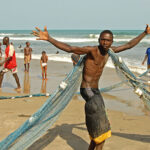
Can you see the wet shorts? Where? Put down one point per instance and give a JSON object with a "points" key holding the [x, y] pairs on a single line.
{"points": [[14, 70], [27, 59], [97, 122]]}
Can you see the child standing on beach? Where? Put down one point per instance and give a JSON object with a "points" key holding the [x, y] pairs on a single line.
{"points": [[27, 56], [43, 62]]}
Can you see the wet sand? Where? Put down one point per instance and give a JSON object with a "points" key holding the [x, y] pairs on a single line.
{"points": [[127, 114]]}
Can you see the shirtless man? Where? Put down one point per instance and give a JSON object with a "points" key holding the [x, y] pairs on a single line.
{"points": [[97, 122], [43, 62], [27, 56], [10, 63]]}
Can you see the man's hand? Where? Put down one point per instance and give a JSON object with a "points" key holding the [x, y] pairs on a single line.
{"points": [[147, 30], [43, 35]]}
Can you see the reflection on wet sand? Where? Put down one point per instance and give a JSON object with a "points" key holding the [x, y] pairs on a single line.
{"points": [[43, 86], [26, 87]]}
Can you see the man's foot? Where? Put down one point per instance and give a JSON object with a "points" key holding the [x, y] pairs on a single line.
{"points": [[18, 89], [46, 78]]}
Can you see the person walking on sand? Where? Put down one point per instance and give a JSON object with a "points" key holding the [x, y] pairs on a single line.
{"points": [[147, 57], [9, 63], [43, 62], [27, 56], [75, 58], [97, 122]]}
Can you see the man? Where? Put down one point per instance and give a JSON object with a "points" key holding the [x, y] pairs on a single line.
{"points": [[9, 63], [147, 57], [96, 57], [27, 56]]}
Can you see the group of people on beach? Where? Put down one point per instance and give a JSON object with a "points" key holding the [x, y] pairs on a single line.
{"points": [[10, 63], [97, 122]]}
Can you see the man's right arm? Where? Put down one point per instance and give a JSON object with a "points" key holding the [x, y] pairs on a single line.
{"points": [[43, 35]]}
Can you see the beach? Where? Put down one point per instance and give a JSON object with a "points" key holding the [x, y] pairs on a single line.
{"points": [[128, 117]]}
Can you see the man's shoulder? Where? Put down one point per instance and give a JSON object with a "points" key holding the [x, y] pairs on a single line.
{"points": [[11, 47]]}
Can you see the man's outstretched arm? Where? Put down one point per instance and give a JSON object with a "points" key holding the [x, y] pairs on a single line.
{"points": [[133, 42], [44, 35]]}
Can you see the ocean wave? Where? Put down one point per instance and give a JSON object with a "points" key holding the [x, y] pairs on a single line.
{"points": [[6, 34], [51, 57]]}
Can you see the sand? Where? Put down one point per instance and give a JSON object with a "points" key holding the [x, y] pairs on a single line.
{"points": [[130, 121]]}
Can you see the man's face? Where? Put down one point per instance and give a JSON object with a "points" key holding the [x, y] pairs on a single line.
{"points": [[28, 44], [4, 41], [106, 41]]}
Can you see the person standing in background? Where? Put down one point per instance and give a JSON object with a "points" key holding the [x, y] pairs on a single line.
{"points": [[10, 63], [27, 56], [147, 57], [75, 58], [43, 62]]}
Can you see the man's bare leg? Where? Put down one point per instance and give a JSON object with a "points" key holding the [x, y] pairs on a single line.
{"points": [[28, 67], [17, 81], [100, 146], [25, 68], [92, 145]]}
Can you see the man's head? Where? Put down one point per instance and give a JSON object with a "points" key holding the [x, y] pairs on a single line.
{"points": [[27, 44], [43, 53], [106, 39], [6, 40]]}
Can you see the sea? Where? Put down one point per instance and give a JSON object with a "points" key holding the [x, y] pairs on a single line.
{"points": [[133, 57]]}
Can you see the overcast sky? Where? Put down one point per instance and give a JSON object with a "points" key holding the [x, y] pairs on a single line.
{"points": [[74, 14]]}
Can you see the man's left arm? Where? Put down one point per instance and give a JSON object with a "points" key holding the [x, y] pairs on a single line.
{"points": [[133, 42], [30, 53]]}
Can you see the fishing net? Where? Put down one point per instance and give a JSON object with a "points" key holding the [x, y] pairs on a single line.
{"points": [[43, 119], [141, 88]]}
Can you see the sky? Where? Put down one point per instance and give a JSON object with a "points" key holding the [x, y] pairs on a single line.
{"points": [[74, 14]]}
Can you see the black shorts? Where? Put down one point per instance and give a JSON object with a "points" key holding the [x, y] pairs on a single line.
{"points": [[96, 119]]}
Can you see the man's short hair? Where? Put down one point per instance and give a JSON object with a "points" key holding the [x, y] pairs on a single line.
{"points": [[6, 38], [43, 52], [106, 31]]}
